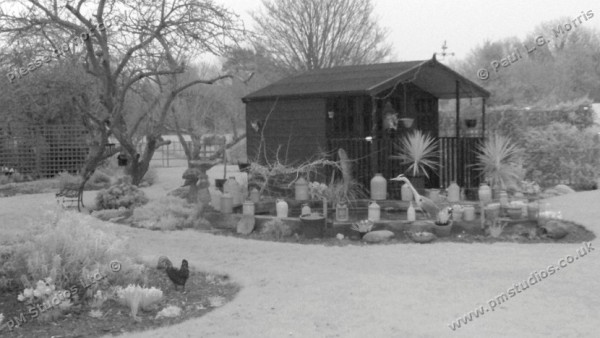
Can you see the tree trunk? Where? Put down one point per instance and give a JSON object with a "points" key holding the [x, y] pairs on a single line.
{"points": [[139, 164]]}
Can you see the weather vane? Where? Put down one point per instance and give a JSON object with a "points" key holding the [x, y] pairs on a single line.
{"points": [[443, 53]]}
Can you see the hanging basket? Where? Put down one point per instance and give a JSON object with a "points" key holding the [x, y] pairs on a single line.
{"points": [[122, 160], [407, 122], [471, 123]]}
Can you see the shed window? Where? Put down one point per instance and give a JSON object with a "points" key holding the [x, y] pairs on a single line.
{"points": [[346, 116]]}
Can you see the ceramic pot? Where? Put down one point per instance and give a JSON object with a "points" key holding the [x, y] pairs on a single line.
{"points": [[492, 211], [442, 230], [374, 212], [313, 225], [301, 189], [453, 192], [485, 193], [469, 213], [378, 187]]}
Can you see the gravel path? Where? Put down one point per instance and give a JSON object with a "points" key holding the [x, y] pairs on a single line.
{"points": [[405, 290]]}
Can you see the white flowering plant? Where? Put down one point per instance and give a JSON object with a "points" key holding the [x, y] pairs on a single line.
{"points": [[443, 216], [317, 191], [46, 294], [363, 226], [137, 297]]}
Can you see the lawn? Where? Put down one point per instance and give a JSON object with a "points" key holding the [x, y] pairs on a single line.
{"points": [[402, 290]]}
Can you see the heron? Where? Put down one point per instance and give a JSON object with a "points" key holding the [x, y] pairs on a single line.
{"points": [[423, 203]]}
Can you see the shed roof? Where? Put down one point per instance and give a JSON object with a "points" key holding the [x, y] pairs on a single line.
{"points": [[430, 75]]}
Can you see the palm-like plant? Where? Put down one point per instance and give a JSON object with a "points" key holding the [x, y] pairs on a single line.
{"points": [[498, 158], [420, 150]]}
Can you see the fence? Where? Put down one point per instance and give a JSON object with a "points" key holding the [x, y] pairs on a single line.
{"points": [[173, 155], [43, 150], [457, 157]]}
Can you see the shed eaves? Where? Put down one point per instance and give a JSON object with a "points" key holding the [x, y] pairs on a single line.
{"points": [[345, 79]]}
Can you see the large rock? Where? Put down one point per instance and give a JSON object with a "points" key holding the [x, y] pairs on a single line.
{"points": [[378, 236], [563, 189], [554, 229]]}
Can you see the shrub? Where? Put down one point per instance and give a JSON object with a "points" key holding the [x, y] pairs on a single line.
{"points": [[561, 152], [150, 177], [11, 176], [110, 168], [99, 180], [67, 180], [64, 247], [277, 228], [120, 195], [4, 179], [166, 213], [18, 177]]}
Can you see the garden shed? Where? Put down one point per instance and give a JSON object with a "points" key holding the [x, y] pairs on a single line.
{"points": [[363, 109]]}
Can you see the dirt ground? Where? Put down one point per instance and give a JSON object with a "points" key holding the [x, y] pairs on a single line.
{"points": [[405, 290]]}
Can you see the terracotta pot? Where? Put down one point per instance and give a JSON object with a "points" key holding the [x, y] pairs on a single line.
{"points": [[514, 213], [443, 230]]}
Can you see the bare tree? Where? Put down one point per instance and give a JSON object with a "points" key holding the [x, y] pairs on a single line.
{"points": [[518, 68], [130, 46], [314, 34]]}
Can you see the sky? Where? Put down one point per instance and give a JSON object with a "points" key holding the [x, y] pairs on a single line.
{"points": [[418, 28]]}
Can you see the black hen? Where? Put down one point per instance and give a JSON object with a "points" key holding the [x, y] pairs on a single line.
{"points": [[179, 276]]}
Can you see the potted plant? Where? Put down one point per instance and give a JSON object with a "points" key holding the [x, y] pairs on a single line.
{"points": [[420, 151], [443, 223], [531, 190], [492, 211], [313, 224], [498, 161], [363, 227]]}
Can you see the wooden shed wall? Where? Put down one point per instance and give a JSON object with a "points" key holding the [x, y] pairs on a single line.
{"points": [[296, 126]]}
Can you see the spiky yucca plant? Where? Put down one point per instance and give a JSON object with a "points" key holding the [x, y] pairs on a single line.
{"points": [[137, 297], [498, 158], [420, 150]]}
